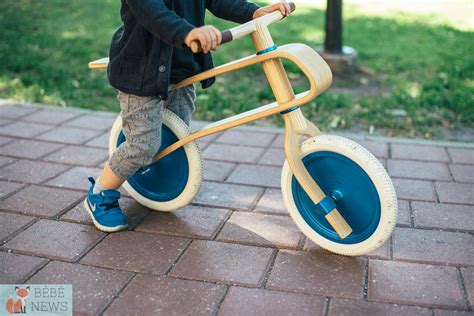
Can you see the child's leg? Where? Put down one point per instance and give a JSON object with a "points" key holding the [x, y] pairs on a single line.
{"points": [[123, 163], [141, 125], [181, 102], [108, 180]]}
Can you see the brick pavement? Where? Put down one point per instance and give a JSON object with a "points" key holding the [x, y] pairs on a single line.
{"points": [[235, 250]]}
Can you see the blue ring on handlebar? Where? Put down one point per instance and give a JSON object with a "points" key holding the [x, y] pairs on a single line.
{"points": [[290, 110], [267, 50]]}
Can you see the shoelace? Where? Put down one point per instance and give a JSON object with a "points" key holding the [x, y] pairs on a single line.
{"points": [[110, 205], [109, 200]]}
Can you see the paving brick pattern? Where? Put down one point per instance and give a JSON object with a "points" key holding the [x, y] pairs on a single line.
{"points": [[217, 170], [10, 223], [443, 216], [271, 202], [51, 116], [261, 230], [346, 307], [468, 276], [74, 178], [4, 140], [433, 246], [30, 171], [69, 135], [235, 249], [382, 252], [421, 284], [23, 129], [191, 221], [138, 252], [256, 175], [78, 156], [4, 121], [6, 161], [421, 153], [418, 170], [54, 239], [7, 187], [100, 141], [170, 296], [93, 121], [30, 149], [93, 288], [16, 268], [316, 273], [273, 157], [404, 214], [31, 201], [462, 173], [245, 301], [224, 262]]}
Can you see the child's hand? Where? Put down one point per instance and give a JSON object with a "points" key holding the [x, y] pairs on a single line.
{"points": [[208, 36], [283, 6]]}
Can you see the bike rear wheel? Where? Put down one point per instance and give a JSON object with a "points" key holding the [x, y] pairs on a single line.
{"points": [[171, 182]]}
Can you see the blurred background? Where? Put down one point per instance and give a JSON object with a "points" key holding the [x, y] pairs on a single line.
{"points": [[413, 75]]}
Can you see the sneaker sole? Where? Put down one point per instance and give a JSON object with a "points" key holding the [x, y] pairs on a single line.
{"points": [[102, 227]]}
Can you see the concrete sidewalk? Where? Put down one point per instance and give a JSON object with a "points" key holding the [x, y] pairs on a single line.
{"points": [[235, 250]]}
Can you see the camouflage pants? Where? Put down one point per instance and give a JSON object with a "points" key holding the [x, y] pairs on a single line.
{"points": [[141, 125]]}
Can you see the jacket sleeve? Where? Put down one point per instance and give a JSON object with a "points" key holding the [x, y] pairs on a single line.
{"points": [[161, 21], [239, 11]]}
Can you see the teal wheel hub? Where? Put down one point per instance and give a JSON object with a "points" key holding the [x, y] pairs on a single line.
{"points": [[164, 179]]}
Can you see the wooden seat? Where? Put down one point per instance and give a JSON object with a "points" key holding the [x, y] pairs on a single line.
{"points": [[99, 63]]}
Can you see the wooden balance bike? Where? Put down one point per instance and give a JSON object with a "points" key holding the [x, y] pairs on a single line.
{"points": [[337, 193]]}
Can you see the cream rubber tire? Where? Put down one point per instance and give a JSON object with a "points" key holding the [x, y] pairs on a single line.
{"points": [[195, 166], [340, 146]]}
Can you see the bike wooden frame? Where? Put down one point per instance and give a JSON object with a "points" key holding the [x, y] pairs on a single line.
{"points": [[317, 72]]}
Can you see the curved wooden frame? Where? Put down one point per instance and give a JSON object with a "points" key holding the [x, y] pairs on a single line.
{"points": [[312, 65]]}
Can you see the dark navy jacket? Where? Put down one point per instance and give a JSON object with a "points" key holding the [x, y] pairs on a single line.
{"points": [[141, 50]]}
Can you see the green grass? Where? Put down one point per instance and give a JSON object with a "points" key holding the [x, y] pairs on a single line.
{"points": [[421, 69]]}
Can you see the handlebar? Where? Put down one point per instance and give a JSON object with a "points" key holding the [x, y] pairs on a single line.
{"points": [[246, 28]]}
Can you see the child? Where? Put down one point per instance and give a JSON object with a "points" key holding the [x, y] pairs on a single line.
{"points": [[149, 52]]}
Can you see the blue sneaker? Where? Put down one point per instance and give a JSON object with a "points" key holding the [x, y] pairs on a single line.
{"points": [[104, 209]]}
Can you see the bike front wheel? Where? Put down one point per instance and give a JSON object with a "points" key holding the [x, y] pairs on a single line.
{"points": [[363, 191]]}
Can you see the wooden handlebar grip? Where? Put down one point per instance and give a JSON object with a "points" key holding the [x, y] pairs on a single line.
{"points": [[226, 37], [195, 46]]}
